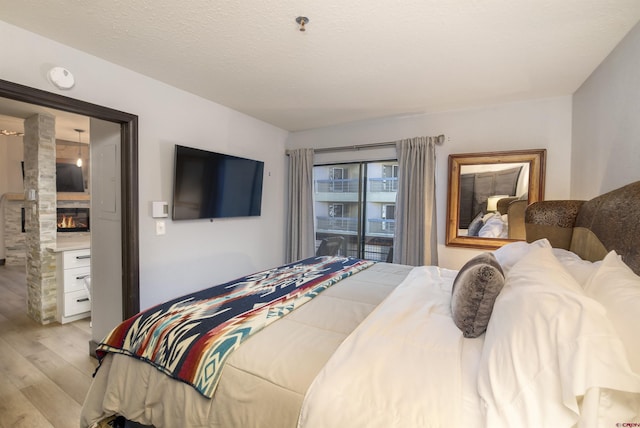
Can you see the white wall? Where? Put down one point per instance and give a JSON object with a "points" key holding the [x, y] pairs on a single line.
{"points": [[606, 123], [192, 254], [540, 124], [11, 153]]}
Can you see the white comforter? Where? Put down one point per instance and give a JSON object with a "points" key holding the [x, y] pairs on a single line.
{"points": [[402, 367]]}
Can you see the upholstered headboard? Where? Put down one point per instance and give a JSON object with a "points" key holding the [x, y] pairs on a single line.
{"points": [[593, 228]]}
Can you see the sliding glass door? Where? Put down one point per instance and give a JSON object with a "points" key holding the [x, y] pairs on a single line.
{"points": [[357, 201]]}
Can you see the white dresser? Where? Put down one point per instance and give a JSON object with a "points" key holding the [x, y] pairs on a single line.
{"points": [[73, 267]]}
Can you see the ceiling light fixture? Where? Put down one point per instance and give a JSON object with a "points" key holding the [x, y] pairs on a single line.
{"points": [[11, 133], [302, 21], [79, 161]]}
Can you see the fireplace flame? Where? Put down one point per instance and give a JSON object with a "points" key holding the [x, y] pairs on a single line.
{"points": [[67, 222]]}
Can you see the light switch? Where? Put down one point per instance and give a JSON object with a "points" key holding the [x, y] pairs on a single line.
{"points": [[160, 227]]}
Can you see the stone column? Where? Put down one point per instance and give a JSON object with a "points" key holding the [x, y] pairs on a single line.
{"points": [[40, 216]]}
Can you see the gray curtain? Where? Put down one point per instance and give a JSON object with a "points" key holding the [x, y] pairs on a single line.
{"points": [[415, 241], [300, 228]]}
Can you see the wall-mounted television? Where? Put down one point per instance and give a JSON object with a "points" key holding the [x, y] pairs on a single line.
{"points": [[215, 185], [69, 178]]}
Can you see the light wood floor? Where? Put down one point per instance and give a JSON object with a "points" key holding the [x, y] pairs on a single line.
{"points": [[45, 371]]}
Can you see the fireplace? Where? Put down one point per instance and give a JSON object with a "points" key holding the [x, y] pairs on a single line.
{"points": [[73, 219]]}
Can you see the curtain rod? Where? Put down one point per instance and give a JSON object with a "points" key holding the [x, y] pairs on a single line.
{"points": [[439, 141]]}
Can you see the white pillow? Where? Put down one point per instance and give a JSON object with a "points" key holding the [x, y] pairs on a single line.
{"points": [[617, 288], [546, 344], [511, 253], [581, 270]]}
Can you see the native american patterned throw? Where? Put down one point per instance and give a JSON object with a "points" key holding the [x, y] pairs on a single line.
{"points": [[190, 337]]}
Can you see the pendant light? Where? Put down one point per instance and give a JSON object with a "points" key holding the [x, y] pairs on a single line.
{"points": [[79, 161]]}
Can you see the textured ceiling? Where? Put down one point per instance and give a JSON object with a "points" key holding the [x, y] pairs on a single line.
{"points": [[360, 59]]}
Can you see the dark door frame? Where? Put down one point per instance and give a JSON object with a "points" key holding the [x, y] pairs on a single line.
{"points": [[129, 176]]}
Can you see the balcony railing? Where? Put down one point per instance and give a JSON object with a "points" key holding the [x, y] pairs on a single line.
{"points": [[381, 226], [347, 224], [350, 185], [377, 226], [376, 252], [389, 184], [342, 185], [376, 248]]}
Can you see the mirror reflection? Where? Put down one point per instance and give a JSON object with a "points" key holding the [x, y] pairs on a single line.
{"points": [[488, 194]]}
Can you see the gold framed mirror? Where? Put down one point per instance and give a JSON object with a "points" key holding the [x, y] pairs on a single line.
{"points": [[485, 189]]}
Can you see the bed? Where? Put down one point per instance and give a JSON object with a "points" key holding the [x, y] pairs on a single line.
{"points": [[506, 222], [531, 334]]}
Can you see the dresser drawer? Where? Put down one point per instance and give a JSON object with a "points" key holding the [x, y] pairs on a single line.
{"points": [[76, 302], [74, 278], [76, 258]]}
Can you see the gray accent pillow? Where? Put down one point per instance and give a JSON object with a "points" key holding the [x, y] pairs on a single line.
{"points": [[474, 292]]}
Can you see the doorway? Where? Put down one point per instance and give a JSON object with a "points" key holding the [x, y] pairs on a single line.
{"points": [[128, 173]]}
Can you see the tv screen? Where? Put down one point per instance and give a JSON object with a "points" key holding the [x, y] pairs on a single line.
{"points": [[69, 178], [214, 185]]}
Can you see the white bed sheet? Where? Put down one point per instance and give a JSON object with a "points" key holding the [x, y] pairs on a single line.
{"points": [[406, 365]]}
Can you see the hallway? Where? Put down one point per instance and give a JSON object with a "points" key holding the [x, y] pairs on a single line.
{"points": [[45, 371]]}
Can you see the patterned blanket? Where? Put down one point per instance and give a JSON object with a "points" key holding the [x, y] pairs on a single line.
{"points": [[190, 337]]}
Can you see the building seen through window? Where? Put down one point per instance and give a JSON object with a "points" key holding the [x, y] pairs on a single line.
{"points": [[357, 201]]}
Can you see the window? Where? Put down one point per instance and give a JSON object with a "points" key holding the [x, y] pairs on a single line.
{"points": [[388, 213], [335, 210], [337, 219], [337, 176], [357, 201], [390, 172], [337, 173]]}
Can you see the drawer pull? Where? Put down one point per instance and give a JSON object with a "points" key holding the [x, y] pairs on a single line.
{"points": [[82, 276], [88, 256], [86, 299]]}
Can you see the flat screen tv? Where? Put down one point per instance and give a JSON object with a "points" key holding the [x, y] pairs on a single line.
{"points": [[214, 185], [69, 178]]}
